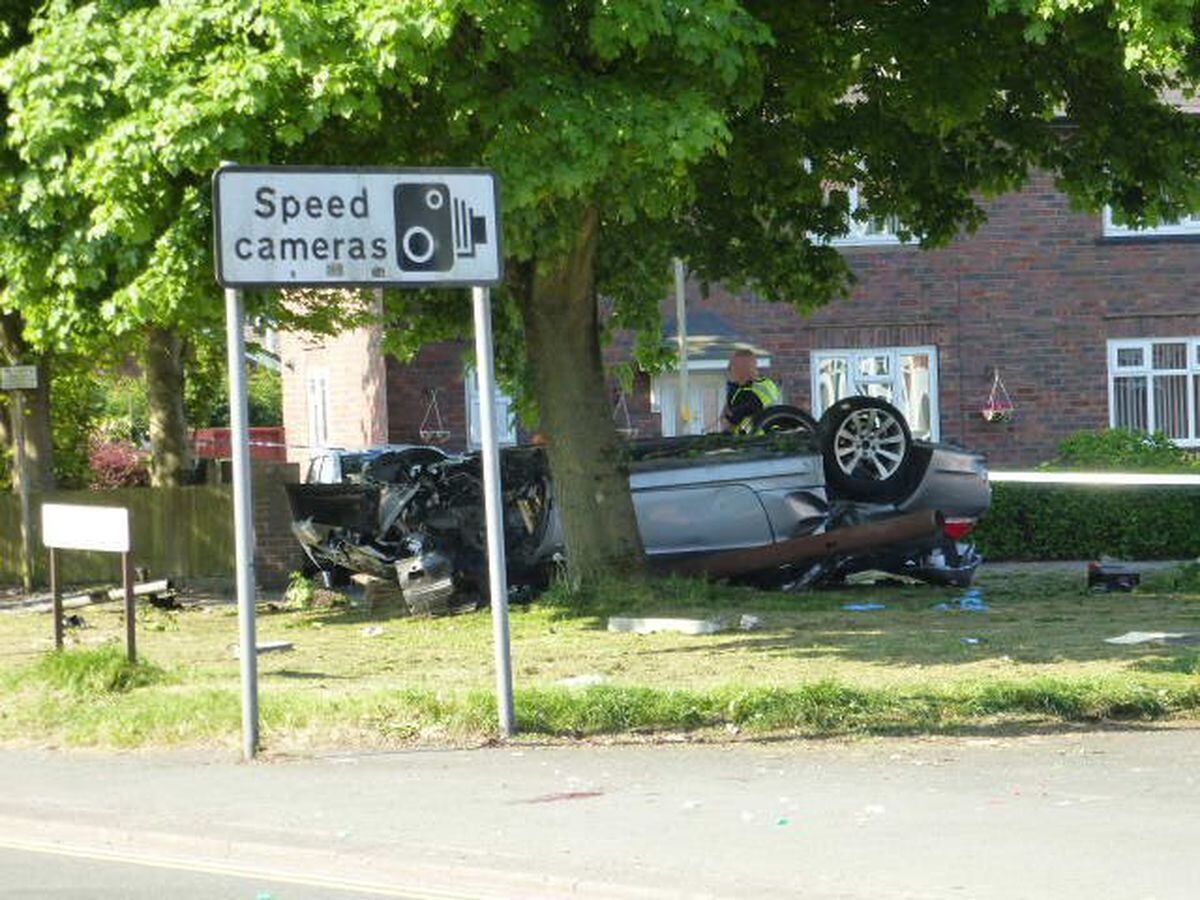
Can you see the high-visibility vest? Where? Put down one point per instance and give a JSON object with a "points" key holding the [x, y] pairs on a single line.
{"points": [[766, 390]]}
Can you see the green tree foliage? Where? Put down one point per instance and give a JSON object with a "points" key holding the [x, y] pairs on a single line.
{"points": [[264, 400], [624, 132]]}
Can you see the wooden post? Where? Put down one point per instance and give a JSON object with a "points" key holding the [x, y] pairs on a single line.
{"points": [[22, 465], [56, 593], [130, 611]]}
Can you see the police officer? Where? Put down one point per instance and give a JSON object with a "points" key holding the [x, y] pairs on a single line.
{"points": [[747, 394]]}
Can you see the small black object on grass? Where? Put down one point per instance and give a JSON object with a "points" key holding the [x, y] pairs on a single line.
{"points": [[1106, 576]]}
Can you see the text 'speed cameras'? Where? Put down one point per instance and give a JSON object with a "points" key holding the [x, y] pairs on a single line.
{"points": [[433, 229]]}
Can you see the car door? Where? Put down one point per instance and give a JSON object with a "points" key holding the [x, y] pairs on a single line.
{"points": [[707, 506]]}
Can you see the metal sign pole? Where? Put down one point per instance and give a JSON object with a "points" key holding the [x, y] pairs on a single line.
{"points": [[338, 226], [24, 486], [243, 521], [685, 400], [493, 510]]}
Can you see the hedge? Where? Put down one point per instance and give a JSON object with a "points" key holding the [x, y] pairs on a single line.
{"points": [[1085, 522]]}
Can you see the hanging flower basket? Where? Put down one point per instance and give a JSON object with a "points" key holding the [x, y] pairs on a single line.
{"points": [[999, 406], [433, 432], [998, 412]]}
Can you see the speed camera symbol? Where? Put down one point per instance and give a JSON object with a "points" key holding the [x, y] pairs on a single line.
{"points": [[434, 229]]}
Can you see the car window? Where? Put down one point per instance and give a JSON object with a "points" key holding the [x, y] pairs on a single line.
{"points": [[352, 466], [321, 470], [314, 471]]}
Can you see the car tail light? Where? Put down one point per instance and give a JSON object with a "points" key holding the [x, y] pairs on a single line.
{"points": [[957, 529]]}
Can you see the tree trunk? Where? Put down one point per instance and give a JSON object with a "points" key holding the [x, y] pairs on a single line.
{"points": [[591, 478], [6, 438], [39, 437], [164, 390]]}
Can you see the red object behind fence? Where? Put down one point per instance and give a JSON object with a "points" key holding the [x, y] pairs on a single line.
{"points": [[265, 443]]}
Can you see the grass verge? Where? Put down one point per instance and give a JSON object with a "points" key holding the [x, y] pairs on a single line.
{"points": [[366, 677], [98, 670]]}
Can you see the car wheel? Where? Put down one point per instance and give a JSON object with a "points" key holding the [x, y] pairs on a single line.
{"points": [[867, 449], [783, 418]]}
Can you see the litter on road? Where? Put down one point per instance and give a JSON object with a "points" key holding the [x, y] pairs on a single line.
{"points": [[863, 607]]}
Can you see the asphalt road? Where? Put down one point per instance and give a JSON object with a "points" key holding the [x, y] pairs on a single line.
{"points": [[33, 875], [1078, 814]]}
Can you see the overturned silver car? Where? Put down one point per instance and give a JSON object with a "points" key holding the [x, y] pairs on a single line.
{"points": [[800, 504]]}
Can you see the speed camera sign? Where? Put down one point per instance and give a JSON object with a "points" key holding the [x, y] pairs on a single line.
{"points": [[293, 226]]}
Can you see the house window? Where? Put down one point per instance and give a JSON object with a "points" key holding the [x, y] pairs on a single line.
{"points": [[1186, 225], [706, 391], [318, 409], [869, 231], [1152, 386], [906, 377], [506, 424]]}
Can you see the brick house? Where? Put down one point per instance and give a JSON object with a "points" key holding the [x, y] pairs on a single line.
{"points": [[1087, 324]]}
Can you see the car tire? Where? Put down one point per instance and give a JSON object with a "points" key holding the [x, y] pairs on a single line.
{"points": [[782, 418], [867, 450]]}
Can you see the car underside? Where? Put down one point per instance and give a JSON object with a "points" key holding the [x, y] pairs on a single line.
{"points": [[802, 504]]}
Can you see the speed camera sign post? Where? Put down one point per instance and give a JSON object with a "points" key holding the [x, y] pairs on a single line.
{"points": [[279, 227], [299, 226]]}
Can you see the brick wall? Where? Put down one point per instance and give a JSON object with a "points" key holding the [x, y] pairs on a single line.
{"points": [[1035, 293], [357, 398], [276, 551], [438, 366]]}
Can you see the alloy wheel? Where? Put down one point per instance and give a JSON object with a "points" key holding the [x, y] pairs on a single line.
{"points": [[870, 443]]}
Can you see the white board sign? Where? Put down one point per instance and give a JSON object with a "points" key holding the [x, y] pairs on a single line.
{"points": [[291, 226], [69, 527], [18, 378]]}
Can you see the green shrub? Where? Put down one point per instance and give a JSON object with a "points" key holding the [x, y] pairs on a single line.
{"points": [[1116, 449], [1029, 521], [300, 591], [1183, 579], [76, 400]]}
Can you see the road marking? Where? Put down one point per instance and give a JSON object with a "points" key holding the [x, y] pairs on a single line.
{"points": [[215, 868]]}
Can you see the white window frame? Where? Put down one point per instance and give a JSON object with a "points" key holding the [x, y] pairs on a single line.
{"points": [[854, 354], [316, 387], [859, 234], [1186, 225], [1147, 370], [506, 426]]}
